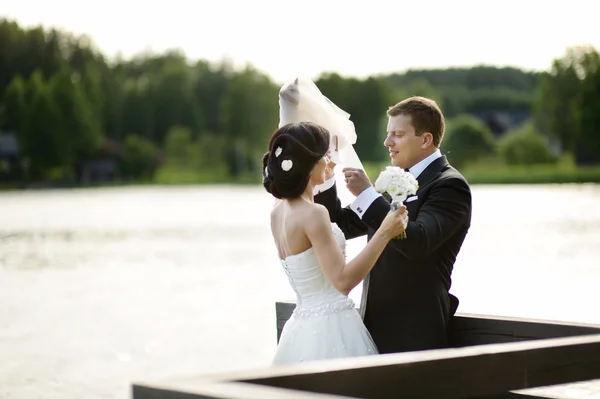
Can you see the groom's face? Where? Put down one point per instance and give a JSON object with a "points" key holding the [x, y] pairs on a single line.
{"points": [[405, 147]]}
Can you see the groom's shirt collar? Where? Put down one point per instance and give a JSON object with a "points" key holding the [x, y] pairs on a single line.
{"points": [[417, 169]]}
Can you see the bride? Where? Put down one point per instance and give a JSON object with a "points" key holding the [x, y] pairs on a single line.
{"points": [[325, 323]]}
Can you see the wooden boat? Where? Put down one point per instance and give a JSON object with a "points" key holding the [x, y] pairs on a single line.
{"points": [[489, 358]]}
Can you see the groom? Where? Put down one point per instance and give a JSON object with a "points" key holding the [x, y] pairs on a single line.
{"points": [[408, 304]]}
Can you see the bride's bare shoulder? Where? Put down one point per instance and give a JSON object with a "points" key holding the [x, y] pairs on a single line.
{"points": [[276, 207], [301, 212], [319, 209], [317, 213]]}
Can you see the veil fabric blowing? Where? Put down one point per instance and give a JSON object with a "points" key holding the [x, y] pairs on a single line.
{"points": [[300, 100]]}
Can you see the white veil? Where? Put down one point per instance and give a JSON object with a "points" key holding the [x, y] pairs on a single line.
{"points": [[301, 100]]}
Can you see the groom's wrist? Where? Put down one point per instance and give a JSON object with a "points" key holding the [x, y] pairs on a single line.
{"points": [[326, 185], [364, 200]]}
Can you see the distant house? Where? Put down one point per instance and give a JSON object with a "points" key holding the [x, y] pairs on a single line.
{"points": [[105, 167], [501, 121], [9, 152]]}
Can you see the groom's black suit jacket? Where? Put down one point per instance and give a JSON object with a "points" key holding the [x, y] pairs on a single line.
{"points": [[408, 304]]}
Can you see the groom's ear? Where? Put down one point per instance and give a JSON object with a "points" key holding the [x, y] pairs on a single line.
{"points": [[427, 139]]}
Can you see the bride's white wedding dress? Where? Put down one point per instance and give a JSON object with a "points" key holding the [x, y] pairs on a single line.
{"points": [[325, 323]]}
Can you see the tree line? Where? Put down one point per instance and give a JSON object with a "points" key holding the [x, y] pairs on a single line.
{"points": [[165, 117]]}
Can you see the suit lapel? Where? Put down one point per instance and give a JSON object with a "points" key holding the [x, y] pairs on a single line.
{"points": [[431, 171]]}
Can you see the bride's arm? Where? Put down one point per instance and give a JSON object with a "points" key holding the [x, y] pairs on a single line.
{"points": [[345, 218], [345, 276]]}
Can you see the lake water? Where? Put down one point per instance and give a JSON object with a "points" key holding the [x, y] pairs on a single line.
{"points": [[102, 287]]}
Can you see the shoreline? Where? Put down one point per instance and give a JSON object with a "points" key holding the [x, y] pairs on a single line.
{"points": [[477, 175], [476, 182]]}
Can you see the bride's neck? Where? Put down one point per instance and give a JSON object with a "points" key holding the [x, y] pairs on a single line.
{"points": [[307, 195]]}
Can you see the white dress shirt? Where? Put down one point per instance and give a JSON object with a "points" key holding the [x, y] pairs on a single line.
{"points": [[366, 198], [326, 185]]}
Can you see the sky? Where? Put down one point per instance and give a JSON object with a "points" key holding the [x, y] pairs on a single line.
{"points": [[353, 38]]}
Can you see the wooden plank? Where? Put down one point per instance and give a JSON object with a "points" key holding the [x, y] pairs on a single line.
{"points": [[220, 390], [283, 311], [513, 395], [238, 390], [469, 372], [471, 329], [475, 371]]}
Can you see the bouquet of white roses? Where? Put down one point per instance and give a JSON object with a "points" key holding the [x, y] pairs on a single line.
{"points": [[398, 184]]}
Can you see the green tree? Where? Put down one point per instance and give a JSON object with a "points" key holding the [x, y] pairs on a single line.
{"points": [[37, 139], [178, 146], [139, 158], [525, 146], [137, 114], [173, 100], [567, 101], [421, 87], [210, 86], [249, 116], [369, 99], [78, 133], [467, 139], [475, 89], [208, 153], [587, 147], [554, 107], [15, 106]]}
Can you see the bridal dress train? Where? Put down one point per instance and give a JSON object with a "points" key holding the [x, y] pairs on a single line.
{"points": [[325, 323]]}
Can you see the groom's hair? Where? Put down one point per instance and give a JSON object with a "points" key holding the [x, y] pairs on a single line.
{"points": [[294, 150], [425, 115]]}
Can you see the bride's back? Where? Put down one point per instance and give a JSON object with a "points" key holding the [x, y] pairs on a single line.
{"points": [[308, 279], [288, 219]]}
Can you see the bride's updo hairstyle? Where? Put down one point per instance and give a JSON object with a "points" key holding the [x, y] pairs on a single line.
{"points": [[294, 150]]}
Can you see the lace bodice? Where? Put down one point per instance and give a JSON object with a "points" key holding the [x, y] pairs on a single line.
{"points": [[315, 294]]}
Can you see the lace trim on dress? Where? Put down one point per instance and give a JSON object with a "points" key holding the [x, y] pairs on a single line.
{"points": [[324, 310]]}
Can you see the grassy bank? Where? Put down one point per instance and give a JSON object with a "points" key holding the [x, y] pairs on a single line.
{"points": [[175, 176], [493, 173], [534, 175], [487, 172]]}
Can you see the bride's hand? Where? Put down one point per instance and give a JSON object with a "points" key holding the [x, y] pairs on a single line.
{"points": [[394, 223]]}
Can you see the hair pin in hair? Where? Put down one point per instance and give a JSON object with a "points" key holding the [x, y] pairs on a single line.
{"points": [[287, 164], [278, 152], [266, 171]]}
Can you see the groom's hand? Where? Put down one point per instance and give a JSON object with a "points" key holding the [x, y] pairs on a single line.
{"points": [[357, 180]]}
